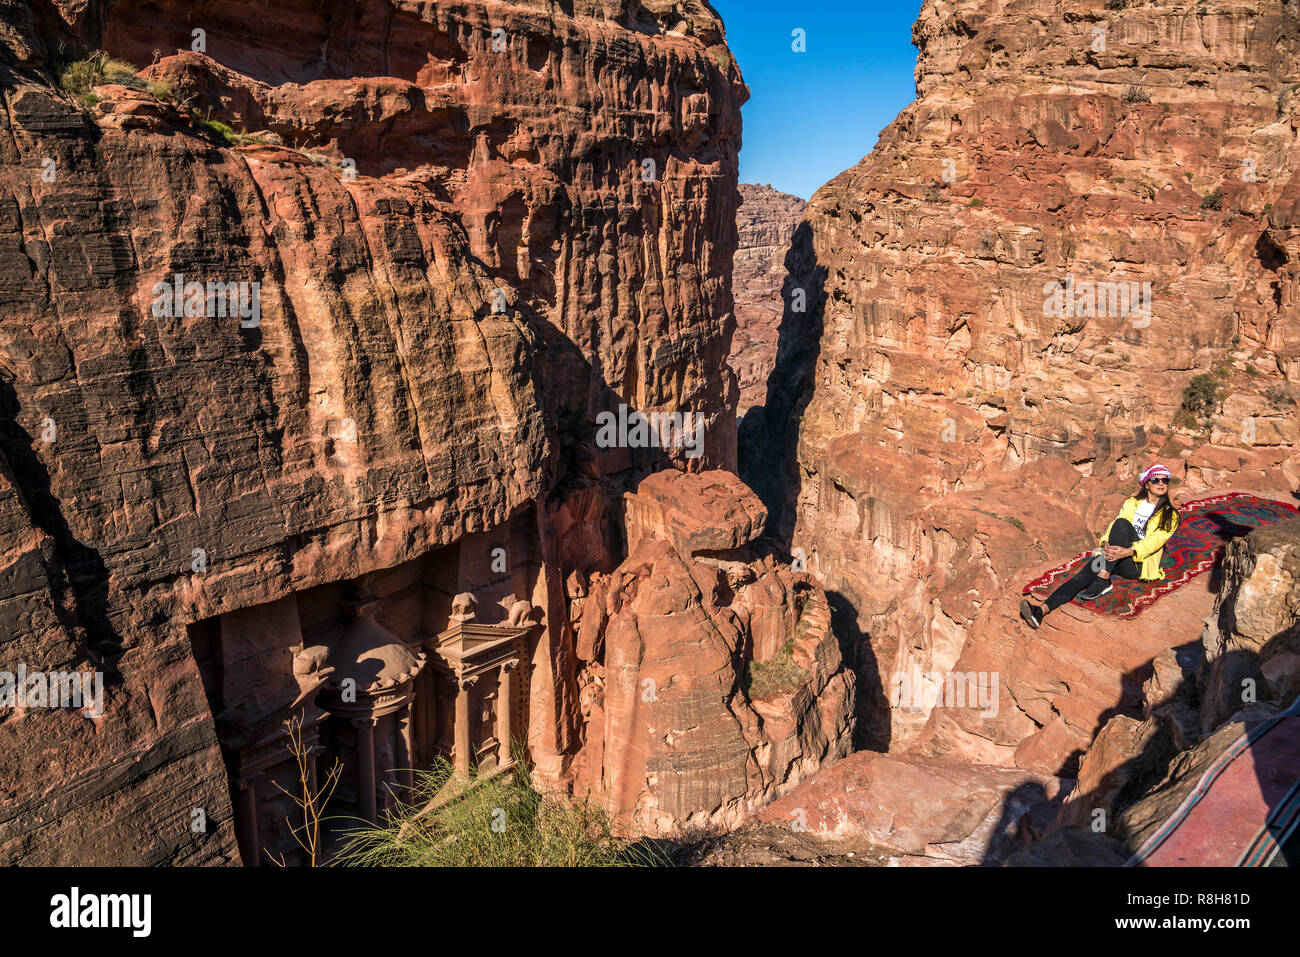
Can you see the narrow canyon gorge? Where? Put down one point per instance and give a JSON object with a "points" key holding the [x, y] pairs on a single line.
{"points": [[421, 372]]}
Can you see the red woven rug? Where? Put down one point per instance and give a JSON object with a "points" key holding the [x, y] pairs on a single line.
{"points": [[1208, 524]]}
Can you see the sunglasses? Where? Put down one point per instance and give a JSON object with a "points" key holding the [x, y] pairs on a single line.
{"points": [[1158, 482]]}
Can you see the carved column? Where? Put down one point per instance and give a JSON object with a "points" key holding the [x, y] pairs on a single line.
{"points": [[248, 826], [505, 697], [461, 757], [408, 742], [429, 707], [366, 760]]}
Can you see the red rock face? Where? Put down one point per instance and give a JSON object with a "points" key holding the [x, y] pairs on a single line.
{"points": [[674, 742], [942, 425], [765, 224], [920, 811], [466, 243]]}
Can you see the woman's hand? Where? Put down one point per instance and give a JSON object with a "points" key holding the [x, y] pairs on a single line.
{"points": [[1115, 553]]}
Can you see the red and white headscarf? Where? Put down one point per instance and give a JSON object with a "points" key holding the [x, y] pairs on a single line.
{"points": [[1152, 472]]}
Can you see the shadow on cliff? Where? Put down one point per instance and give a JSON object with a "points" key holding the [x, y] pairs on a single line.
{"points": [[84, 572], [1025, 812], [1159, 769], [768, 452], [769, 434]]}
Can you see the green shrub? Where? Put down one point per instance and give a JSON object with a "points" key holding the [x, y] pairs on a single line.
{"points": [[779, 674], [1280, 395], [1201, 395], [1135, 94], [119, 71], [497, 821], [1213, 200], [80, 76], [220, 130], [1009, 519]]}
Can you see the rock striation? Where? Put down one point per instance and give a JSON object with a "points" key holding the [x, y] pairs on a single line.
{"points": [[765, 224], [446, 237]]}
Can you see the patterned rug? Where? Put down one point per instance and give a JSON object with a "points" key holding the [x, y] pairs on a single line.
{"points": [[1207, 525]]}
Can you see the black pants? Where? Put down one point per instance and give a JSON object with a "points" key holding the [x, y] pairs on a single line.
{"points": [[1122, 534]]}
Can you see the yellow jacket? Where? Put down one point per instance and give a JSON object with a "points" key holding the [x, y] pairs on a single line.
{"points": [[1151, 547]]}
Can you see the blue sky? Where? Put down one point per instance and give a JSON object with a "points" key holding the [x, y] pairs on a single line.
{"points": [[812, 115]]}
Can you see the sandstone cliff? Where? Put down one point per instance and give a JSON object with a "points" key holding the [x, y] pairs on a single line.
{"points": [[939, 423], [473, 227], [711, 678], [765, 224]]}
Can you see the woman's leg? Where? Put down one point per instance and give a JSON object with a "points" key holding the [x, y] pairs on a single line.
{"points": [[1067, 591], [1125, 568], [1122, 535]]}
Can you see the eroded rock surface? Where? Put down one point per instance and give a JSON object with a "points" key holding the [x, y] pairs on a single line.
{"points": [[926, 811], [685, 726]]}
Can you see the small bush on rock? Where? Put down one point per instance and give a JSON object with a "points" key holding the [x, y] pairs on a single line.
{"points": [[1201, 395], [80, 76]]}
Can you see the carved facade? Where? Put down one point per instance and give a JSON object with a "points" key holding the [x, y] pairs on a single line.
{"points": [[389, 672]]}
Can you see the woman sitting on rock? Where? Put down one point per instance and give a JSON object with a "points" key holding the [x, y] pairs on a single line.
{"points": [[1144, 525]]}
